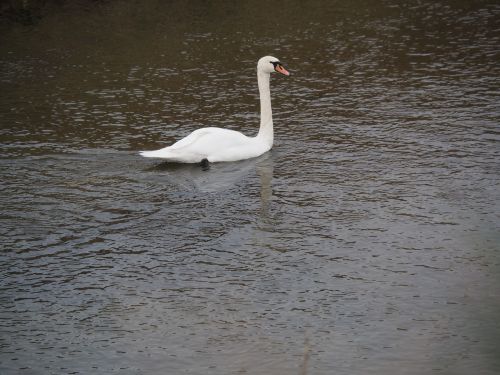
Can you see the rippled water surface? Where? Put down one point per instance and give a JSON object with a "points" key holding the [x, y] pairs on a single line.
{"points": [[365, 242]]}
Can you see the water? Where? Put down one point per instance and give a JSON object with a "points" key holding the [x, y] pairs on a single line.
{"points": [[365, 242]]}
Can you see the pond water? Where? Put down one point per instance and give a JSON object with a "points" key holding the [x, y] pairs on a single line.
{"points": [[365, 242]]}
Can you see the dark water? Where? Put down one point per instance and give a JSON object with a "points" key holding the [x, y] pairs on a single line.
{"points": [[366, 242]]}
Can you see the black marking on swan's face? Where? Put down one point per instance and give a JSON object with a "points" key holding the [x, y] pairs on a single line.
{"points": [[278, 67]]}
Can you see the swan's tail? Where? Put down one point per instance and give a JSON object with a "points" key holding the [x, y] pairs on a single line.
{"points": [[167, 155], [172, 155], [154, 154]]}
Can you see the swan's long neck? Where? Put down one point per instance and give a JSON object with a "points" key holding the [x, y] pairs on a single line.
{"points": [[266, 115]]}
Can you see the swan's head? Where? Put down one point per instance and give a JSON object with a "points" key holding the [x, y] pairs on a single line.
{"points": [[269, 64]]}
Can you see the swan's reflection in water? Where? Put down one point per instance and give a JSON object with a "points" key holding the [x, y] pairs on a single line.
{"points": [[219, 176], [265, 168]]}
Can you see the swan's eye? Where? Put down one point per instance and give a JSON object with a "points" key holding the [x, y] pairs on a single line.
{"points": [[275, 63]]}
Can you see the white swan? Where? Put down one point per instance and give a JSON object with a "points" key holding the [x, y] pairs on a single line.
{"points": [[216, 144]]}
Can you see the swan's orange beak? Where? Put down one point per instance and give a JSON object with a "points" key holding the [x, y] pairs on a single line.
{"points": [[280, 69]]}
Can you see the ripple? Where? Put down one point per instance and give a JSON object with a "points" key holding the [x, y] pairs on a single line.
{"points": [[370, 230]]}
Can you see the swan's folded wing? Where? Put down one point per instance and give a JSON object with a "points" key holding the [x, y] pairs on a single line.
{"points": [[191, 138], [201, 144], [209, 140]]}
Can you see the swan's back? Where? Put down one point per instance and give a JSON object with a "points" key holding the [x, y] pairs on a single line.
{"points": [[205, 143]]}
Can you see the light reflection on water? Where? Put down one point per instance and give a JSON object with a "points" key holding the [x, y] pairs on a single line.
{"points": [[368, 236]]}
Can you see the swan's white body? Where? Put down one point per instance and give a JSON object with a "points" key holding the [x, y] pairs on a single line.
{"points": [[217, 144]]}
